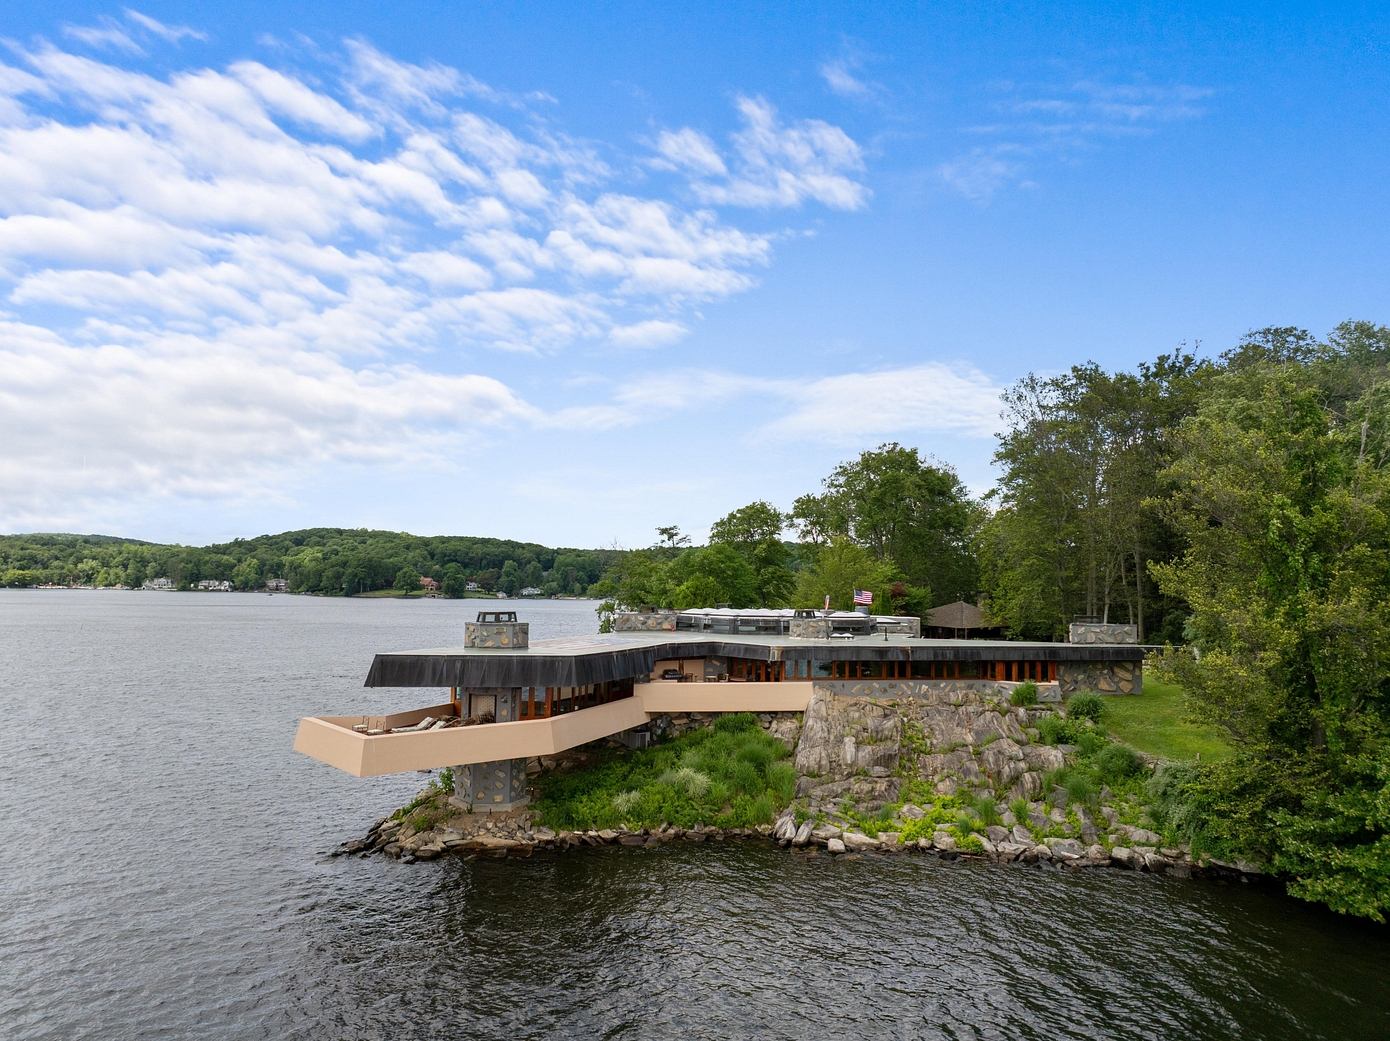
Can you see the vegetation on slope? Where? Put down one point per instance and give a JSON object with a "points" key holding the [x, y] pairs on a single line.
{"points": [[1157, 722], [730, 775]]}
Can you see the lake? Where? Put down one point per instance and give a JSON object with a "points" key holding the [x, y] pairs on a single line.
{"points": [[165, 876]]}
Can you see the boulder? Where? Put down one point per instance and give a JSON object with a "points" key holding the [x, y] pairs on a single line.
{"points": [[803, 834], [1012, 850], [1123, 856], [944, 841], [997, 834], [835, 846], [857, 841], [911, 812], [1140, 837], [825, 833], [1065, 849], [1022, 835]]}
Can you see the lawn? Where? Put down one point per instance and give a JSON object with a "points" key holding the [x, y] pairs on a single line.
{"points": [[1154, 722]]}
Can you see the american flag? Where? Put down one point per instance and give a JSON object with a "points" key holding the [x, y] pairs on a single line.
{"points": [[864, 597]]}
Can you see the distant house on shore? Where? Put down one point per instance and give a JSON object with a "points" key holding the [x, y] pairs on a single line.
{"points": [[472, 587], [428, 584], [213, 585], [277, 585], [958, 621], [531, 591], [157, 583]]}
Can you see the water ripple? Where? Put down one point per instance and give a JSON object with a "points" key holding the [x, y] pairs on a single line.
{"points": [[163, 878]]}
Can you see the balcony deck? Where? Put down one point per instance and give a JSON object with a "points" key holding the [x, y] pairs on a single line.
{"points": [[332, 739]]}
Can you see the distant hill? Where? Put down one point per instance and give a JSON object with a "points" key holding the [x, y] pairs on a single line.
{"points": [[327, 561]]}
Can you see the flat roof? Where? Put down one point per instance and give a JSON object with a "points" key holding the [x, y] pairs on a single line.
{"points": [[580, 660]]}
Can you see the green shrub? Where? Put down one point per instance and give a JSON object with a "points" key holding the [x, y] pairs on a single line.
{"points": [[1055, 730], [1026, 693], [970, 844], [735, 722], [986, 809], [1090, 743], [1020, 809], [1115, 763], [731, 774], [1086, 706], [1080, 787]]}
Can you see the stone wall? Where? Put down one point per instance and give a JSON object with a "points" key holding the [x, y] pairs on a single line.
{"points": [[644, 622], [496, 634], [1100, 632], [1107, 677], [955, 691], [785, 726], [809, 628]]}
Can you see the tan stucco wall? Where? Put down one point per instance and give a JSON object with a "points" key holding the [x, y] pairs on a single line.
{"points": [[331, 739], [725, 697]]}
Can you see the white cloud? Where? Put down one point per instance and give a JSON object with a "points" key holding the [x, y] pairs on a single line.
{"points": [[170, 33], [654, 332], [1031, 125], [106, 36], [772, 164], [216, 279], [690, 150], [979, 174], [928, 398], [847, 408], [841, 80]]}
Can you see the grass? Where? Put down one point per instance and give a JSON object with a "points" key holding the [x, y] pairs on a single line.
{"points": [[730, 775], [1154, 722]]}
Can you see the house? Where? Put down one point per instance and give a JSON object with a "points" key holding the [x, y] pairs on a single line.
{"points": [[277, 585], [157, 583], [472, 587], [499, 700], [531, 591], [428, 584], [213, 585]]}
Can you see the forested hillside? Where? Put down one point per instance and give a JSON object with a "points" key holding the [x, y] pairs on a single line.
{"points": [[329, 561]]}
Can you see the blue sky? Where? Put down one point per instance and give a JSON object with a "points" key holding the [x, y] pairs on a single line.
{"points": [[569, 272]]}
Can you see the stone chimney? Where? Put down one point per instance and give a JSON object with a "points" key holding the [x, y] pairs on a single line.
{"points": [[497, 629]]}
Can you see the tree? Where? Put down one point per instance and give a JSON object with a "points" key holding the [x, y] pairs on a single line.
{"points": [[1286, 520], [755, 533], [711, 575], [670, 538], [839, 569], [454, 584], [1082, 453], [247, 574], [909, 512], [510, 581], [407, 581]]}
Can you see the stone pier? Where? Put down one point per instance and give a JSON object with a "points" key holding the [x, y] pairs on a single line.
{"points": [[497, 786]]}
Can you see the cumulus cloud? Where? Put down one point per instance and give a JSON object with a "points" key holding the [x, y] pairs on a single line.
{"points": [[770, 164], [218, 277]]}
